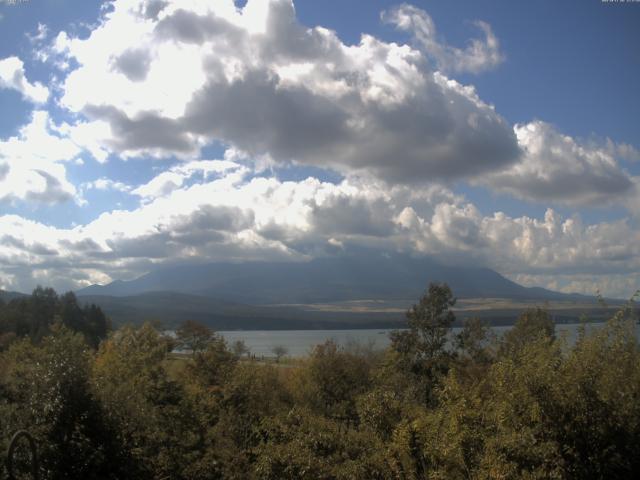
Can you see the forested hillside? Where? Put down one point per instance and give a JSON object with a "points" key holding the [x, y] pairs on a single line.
{"points": [[33, 316], [433, 405]]}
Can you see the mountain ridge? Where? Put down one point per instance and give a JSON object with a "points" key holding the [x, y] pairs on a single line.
{"points": [[331, 279]]}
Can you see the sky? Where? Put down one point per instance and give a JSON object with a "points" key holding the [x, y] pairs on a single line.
{"points": [[136, 134]]}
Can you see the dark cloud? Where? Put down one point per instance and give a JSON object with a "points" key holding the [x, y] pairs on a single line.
{"points": [[147, 130], [210, 218], [84, 246], [437, 134], [35, 248], [258, 117], [353, 216], [157, 245], [298, 93], [151, 8], [134, 64]]}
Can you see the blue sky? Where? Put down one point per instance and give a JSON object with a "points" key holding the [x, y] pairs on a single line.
{"points": [[137, 133]]}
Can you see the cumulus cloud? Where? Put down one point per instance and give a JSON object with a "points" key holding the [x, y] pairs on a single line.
{"points": [[12, 76], [32, 164], [229, 217], [559, 169], [479, 55], [259, 80]]}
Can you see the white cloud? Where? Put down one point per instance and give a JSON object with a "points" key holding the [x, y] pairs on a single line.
{"points": [[228, 217], [91, 136], [262, 82], [172, 179], [32, 164], [479, 55], [105, 184], [557, 168], [12, 76]]}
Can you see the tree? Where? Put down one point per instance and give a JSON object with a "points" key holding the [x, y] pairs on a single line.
{"points": [[97, 324], [531, 325], [475, 341], [421, 349], [148, 407], [42, 306], [194, 336], [298, 445], [240, 348], [279, 351], [46, 390], [90, 320], [331, 380]]}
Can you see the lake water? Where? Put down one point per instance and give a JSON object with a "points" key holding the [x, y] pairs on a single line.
{"points": [[299, 343]]}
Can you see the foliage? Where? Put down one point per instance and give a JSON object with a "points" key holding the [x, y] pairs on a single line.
{"points": [[531, 325], [301, 445], [432, 406], [34, 316], [46, 389], [421, 349], [240, 348], [193, 336], [331, 380]]}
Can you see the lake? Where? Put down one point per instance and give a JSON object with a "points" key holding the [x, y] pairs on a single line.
{"points": [[299, 343]]}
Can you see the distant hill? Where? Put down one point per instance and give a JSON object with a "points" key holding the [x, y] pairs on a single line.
{"points": [[335, 279], [8, 296]]}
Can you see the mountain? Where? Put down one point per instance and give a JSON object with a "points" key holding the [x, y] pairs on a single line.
{"points": [[325, 280], [8, 296]]}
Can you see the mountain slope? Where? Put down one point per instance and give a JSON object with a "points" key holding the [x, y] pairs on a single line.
{"points": [[335, 279]]}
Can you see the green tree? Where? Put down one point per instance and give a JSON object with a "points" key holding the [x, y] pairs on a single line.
{"points": [[149, 408], [330, 381], [40, 310], [299, 445], [193, 336], [46, 390], [90, 320], [252, 394], [421, 349], [531, 325]]}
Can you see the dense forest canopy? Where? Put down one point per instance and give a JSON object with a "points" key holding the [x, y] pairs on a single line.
{"points": [[434, 405], [34, 315]]}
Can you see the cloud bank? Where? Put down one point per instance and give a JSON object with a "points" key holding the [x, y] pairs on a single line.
{"points": [[266, 84], [159, 82], [239, 217]]}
